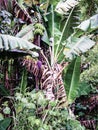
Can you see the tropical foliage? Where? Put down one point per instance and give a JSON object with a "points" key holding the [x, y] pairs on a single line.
{"points": [[41, 71]]}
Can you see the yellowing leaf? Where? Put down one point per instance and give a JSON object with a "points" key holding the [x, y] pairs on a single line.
{"points": [[66, 50]]}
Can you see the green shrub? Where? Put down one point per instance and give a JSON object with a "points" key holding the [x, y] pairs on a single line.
{"points": [[92, 56], [90, 76], [35, 112]]}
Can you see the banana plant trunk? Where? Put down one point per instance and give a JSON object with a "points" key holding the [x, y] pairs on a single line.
{"points": [[48, 79]]}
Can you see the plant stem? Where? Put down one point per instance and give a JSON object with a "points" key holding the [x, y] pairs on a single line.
{"points": [[60, 52], [47, 6], [65, 65], [65, 26], [52, 53], [45, 59]]}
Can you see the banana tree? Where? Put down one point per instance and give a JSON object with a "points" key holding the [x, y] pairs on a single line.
{"points": [[51, 29], [61, 43]]}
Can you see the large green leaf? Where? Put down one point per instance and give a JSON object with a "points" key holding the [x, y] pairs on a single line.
{"points": [[5, 123], [84, 89], [88, 25], [11, 43], [27, 32], [67, 24], [72, 79], [81, 46]]}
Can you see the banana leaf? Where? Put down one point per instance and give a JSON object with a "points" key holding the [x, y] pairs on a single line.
{"points": [[17, 45], [81, 46], [72, 79], [64, 6], [27, 32], [88, 25]]}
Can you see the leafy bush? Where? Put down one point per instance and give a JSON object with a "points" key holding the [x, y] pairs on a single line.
{"points": [[92, 56], [33, 111], [90, 76]]}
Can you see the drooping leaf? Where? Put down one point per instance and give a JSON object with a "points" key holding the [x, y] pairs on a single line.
{"points": [[72, 20], [67, 25], [11, 43], [5, 123], [88, 25], [72, 79], [82, 45]]}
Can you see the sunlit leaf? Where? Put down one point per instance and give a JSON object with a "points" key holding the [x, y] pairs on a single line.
{"points": [[81, 46], [87, 26], [11, 43], [64, 6]]}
